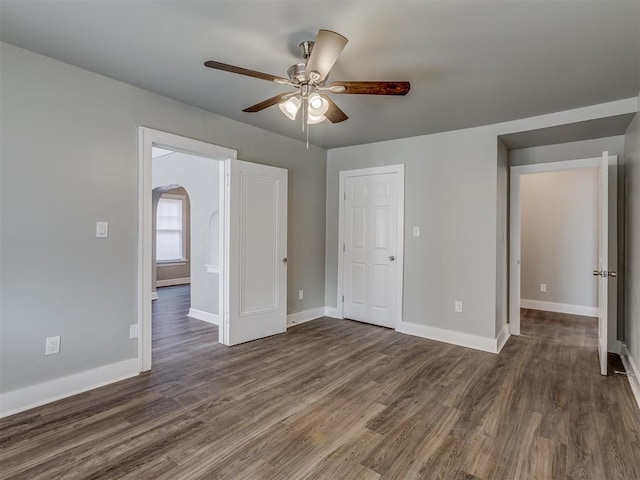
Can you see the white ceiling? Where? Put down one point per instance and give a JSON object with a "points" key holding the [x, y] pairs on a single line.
{"points": [[469, 62]]}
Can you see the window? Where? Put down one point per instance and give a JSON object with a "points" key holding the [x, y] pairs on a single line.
{"points": [[170, 226]]}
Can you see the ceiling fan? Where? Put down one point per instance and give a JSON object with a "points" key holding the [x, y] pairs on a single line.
{"points": [[309, 79]]}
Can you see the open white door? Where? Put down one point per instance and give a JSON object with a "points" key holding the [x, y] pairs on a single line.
{"points": [[603, 263], [256, 229]]}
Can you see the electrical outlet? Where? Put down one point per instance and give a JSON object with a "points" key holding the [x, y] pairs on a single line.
{"points": [[52, 345], [133, 331], [543, 287], [300, 294], [416, 231], [458, 306]]}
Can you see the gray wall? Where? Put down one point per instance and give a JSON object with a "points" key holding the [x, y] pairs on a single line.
{"points": [[172, 271], [632, 274], [450, 193], [559, 225], [69, 152]]}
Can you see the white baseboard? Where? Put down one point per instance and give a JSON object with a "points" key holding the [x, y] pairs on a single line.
{"points": [[634, 375], [560, 307], [305, 316], [154, 295], [476, 342], [52, 390], [204, 316], [332, 312], [173, 281]]}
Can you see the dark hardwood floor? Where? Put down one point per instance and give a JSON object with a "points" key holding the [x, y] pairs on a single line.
{"points": [[337, 399]]}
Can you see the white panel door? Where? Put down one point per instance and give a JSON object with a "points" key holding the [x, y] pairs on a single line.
{"points": [[370, 248], [257, 249], [603, 264]]}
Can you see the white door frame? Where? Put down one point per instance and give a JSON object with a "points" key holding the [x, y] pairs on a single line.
{"points": [[399, 169], [515, 223], [148, 138]]}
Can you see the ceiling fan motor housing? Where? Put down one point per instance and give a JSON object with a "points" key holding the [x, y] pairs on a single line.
{"points": [[296, 72]]}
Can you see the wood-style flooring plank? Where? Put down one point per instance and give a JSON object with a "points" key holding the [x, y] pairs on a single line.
{"points": [[334, 400]]}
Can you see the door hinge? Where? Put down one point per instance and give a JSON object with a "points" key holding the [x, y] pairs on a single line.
{"points": [[345, 195], [228, 175], [344, 247], [342, 298]]}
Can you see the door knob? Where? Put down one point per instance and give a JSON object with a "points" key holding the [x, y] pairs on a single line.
{"points": [[284, 260], [612, 274], [392, 258], [596, 273]]}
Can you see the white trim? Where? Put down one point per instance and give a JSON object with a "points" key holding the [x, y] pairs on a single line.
{"points": [[204, 316], [449, 336], [147, 139], [344, 174], [171, 263], [58, 388], [305, 316], [154, 295], [173, 281], [514, 223], [583, 310], [332, 312], [502, 337], [633, 375]]}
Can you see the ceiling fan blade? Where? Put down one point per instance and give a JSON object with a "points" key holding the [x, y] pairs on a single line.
{"points": [[334, 114], [269, 102], [370, 88], [325, 52], [247, 72]]}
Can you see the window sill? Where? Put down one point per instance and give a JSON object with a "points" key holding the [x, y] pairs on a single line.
{"points": [[171, 263]]}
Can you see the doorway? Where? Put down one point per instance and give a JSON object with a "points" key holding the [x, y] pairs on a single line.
{"points": [[250, 257], [592, 297], [371, 245], [194, 155]]}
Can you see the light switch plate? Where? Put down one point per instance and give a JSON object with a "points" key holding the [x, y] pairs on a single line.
{"points": [[543, 287], [102, 229], [458, 306], [52, 345]]}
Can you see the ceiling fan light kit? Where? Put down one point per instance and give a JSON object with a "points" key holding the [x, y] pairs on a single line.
{"points": [[290, 107], [309, 78]]}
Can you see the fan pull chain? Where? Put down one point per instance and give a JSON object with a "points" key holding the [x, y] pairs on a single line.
{"points": [[304, 120]]}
